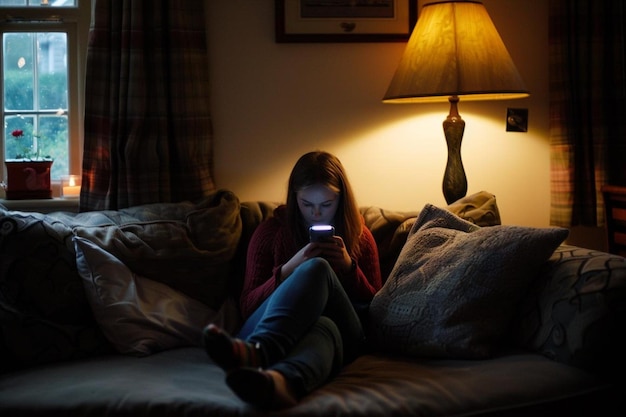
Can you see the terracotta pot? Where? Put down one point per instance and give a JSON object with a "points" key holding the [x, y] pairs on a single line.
{"points": [[28, 179]]}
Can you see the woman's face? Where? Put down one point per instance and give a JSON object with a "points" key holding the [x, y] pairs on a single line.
{"points": [[318, 204]]}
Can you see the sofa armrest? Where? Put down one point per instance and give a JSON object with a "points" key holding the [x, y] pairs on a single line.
{"points": [[575, 311]]}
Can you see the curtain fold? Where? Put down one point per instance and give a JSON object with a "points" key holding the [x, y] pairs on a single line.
{"points": [[148, 134], [587, 107]]}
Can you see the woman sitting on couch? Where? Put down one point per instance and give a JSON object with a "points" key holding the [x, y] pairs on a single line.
{"points": [[300, 298]]}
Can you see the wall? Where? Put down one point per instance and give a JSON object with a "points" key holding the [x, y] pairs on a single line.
{"points": [[272, 102]]}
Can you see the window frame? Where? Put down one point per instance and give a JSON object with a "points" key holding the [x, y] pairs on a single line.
{"points": [[75, 23]]}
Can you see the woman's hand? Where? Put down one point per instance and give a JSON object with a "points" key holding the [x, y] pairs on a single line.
{"points": [[336, 254], [307, 252], [334, 251]]}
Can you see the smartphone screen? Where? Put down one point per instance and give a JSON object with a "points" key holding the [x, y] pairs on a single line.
{"points": [[321, 232]]}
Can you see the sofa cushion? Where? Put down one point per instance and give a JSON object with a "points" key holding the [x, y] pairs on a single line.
{"points": [[252, 213], [454, 288], [138, 315], [191, 255], [575, 311], [390, 229], [44, 314], [184, 382]]}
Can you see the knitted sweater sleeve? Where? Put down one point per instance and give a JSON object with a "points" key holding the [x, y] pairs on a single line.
{"points": [[262, 275], [268, 251], [364, 281]]}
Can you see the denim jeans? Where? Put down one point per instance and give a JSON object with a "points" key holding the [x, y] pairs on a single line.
{"points": [[308, 328]]}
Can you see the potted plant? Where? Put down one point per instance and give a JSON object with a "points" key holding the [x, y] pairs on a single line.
{"points": [[28, 174]]}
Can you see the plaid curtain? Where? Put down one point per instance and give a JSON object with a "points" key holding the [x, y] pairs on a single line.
{"points": [[587, 107], [148, 131]]}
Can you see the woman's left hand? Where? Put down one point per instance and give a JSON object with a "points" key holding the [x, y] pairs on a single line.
{"points": [[334, 251]]}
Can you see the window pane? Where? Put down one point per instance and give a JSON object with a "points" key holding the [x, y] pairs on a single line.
{"points": [[17, 147], [36, 97], [52, 74], [52, 141], [18, 71]]}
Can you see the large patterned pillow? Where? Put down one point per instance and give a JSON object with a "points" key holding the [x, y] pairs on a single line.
{"points": [[44, 315], [140, 316], [453, 291], [575, 312]]}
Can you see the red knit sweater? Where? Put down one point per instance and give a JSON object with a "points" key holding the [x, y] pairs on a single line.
{"points": [[272, 245]]}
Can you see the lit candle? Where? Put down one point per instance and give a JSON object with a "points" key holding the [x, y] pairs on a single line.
{"points": [[71, 190]]}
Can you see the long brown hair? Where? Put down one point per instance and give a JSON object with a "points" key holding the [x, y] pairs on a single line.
{"points": [[320, 167]]}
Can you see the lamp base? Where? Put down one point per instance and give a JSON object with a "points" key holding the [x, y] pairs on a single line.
{"points": [[454, 179]]}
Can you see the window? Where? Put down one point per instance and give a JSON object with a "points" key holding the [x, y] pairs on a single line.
{"points": [[44, 47], [36, 97]]}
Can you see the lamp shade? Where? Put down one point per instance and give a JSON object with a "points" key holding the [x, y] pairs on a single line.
{"points": [[455, 50]]}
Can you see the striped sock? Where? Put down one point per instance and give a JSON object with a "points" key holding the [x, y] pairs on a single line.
{"points": [[230, 353]]}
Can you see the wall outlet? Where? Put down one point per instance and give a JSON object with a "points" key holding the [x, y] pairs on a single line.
{"points": [[516, 120]]}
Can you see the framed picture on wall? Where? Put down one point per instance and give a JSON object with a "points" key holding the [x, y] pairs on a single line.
{"points": [[344, 20]]}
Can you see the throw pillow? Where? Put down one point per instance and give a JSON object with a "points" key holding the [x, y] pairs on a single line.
{"points": [[44, 315], [575, 312], [479, 208], [137, 315], [454, 288], [193, 255]]}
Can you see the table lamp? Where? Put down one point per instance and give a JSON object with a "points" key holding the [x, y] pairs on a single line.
{"points": [[454, 52]]}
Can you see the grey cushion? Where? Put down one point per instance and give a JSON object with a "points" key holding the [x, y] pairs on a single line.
{"points": [[454, 289]]}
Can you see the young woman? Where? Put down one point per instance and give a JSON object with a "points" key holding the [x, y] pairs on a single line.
{"points": [[301, 299]]}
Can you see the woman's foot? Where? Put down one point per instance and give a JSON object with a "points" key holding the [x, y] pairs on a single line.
{"points": [[228, 352], [263, 389]]}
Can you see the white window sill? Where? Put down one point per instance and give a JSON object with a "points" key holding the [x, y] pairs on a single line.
{"points": [[46, 205]]}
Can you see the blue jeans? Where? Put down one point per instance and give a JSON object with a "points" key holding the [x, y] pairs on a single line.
{"points": [[308, 328]]}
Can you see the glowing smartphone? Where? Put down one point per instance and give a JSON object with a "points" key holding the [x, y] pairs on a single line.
{"points": [[321, 233]]}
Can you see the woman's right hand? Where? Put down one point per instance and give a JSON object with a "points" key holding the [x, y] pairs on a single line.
{"points": [[310, 250]]}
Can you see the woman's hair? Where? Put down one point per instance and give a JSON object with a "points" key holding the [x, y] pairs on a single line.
{"points": [[323, 168]]}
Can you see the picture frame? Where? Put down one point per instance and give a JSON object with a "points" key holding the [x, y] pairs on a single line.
{"points": [[344, 20]]}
